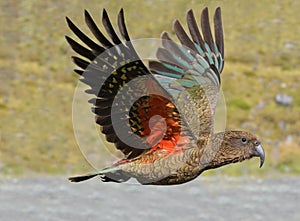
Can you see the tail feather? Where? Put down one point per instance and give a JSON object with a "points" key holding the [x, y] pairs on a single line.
{"points": [[77, 179], [110, 174]]}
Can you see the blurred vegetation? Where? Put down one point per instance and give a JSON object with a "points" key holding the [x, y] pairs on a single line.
{"points": [[262, 48]]}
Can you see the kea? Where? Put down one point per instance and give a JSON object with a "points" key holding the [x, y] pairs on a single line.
{"points": [[160, 115]]}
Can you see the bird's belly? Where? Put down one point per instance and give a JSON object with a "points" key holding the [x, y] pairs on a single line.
{"points": [[174, 169]]}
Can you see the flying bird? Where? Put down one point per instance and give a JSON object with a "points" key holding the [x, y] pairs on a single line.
{"points": [[161, 116]]}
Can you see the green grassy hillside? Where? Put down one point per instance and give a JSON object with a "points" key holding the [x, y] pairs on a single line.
{"points": [[262, 54]]}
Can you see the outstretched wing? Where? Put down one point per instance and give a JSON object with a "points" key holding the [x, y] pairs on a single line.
{"points": [[190, 72], [132, 108]]}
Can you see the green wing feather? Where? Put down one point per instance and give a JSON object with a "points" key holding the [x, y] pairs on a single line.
{"points": [[192, 70]]}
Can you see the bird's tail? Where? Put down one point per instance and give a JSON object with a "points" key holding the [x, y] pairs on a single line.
{"points": [[110, 174]]}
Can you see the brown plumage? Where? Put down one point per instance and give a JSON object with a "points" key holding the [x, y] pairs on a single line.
{"points": [[167, 134]]}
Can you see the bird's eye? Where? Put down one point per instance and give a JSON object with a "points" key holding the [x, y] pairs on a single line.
{"points": [[244, 140]]}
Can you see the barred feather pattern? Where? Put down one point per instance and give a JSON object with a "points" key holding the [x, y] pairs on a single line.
{"points": [[109, 68]]}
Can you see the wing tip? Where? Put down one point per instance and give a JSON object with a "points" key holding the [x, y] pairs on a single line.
{"points": [[217, 15], [205, 10], [190, 11], [69, 22], [165, 36], [176, 23]]}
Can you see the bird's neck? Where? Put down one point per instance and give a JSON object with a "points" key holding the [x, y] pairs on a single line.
{"points": [[212, 155]]}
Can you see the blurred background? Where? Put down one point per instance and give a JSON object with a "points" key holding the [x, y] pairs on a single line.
{"points": [[260, 81], [38, 146]]}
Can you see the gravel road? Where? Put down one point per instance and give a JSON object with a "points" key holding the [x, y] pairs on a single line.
{"points": [[206, 198]]}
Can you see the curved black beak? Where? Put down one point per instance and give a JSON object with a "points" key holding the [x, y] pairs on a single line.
{"points": [[261, 154]]}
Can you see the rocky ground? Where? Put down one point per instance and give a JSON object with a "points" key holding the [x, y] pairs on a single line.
{"points": [[206, 198]]}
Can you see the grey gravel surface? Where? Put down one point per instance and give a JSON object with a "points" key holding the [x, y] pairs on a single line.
{"points": [[206, 198]]}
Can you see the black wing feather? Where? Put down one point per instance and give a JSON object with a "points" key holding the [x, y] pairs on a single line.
{"points": [[80, 49], [109, 28], [182, 36], [194, 30], [206, 29], [122, 26], [84, 38], [80, 62], [95, 30], [104, 67]]}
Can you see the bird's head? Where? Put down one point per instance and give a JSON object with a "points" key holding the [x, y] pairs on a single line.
{"points": [[235, 146]]}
